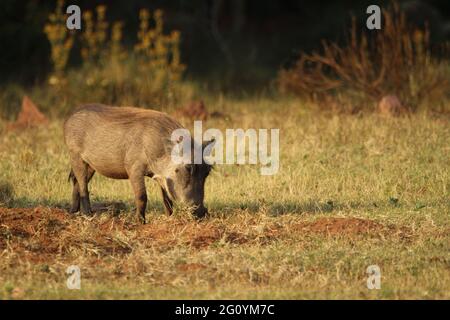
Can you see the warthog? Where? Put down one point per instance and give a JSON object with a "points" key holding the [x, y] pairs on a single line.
{"points": [[131, 143]]}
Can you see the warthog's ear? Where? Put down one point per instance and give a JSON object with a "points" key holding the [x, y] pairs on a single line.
{"points": [[179, 147], [207, 147]]}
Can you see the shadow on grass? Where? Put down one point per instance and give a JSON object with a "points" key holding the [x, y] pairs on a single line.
{"points": [[216, 208], [278, 208], [97, 205], [313, 206]]}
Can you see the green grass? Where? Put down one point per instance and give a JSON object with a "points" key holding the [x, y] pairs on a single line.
{"points": [[394, 171]]}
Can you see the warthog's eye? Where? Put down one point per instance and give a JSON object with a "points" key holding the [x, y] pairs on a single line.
{"points": [[190, 169]]}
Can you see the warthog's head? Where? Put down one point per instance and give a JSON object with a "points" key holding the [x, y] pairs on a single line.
{"points": [[185, 182]]}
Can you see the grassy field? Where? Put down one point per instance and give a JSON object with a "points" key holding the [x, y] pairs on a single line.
{"points": [[352, 191]]}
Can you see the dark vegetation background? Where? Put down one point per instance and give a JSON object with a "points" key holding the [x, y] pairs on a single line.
{"points": [[236, 45]]}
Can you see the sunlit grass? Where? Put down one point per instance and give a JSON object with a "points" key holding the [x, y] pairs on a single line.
{"points": [[394, 171]]}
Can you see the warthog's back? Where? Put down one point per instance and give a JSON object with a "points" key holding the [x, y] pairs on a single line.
{"points": [[108, 138]]}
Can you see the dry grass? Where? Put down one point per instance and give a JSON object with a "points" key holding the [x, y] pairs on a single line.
{"points": [[351, 192], [369, 65]]}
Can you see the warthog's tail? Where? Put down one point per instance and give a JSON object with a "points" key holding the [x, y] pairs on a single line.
{"points": [[71, 176]]}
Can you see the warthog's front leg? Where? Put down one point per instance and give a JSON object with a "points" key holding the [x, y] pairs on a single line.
{"points": [[168, 204], [75, 194], [140, 194]]}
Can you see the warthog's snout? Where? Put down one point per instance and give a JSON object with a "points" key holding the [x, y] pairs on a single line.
{"points": [[201, 211]]}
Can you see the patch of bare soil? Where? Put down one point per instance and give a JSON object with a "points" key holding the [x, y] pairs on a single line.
{"points": [[197, 235], [45, 234], [39, 232], [20, 228]]}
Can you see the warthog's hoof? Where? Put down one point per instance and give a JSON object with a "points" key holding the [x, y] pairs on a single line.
{"points": [[200, 213], [74, 210], [87, 212]]}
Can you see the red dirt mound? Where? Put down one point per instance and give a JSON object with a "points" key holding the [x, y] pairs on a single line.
{"points": [[195, 110], [29, 116], [42, 235], [391, 106], [31, 232]]}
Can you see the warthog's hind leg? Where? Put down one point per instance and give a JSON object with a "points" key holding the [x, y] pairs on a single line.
{"points": [[82, 174], [75, 193]]}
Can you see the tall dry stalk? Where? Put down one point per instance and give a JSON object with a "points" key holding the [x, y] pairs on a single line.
{"points": [[397, 60]]}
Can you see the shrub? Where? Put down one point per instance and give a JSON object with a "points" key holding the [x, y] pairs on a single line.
{"points": [[397, 60], [94, 35], [149, 76], [60, 38]]}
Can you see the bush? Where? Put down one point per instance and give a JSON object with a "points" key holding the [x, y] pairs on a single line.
{"points": [[149, 76], [118, 84], [355, 76]]}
